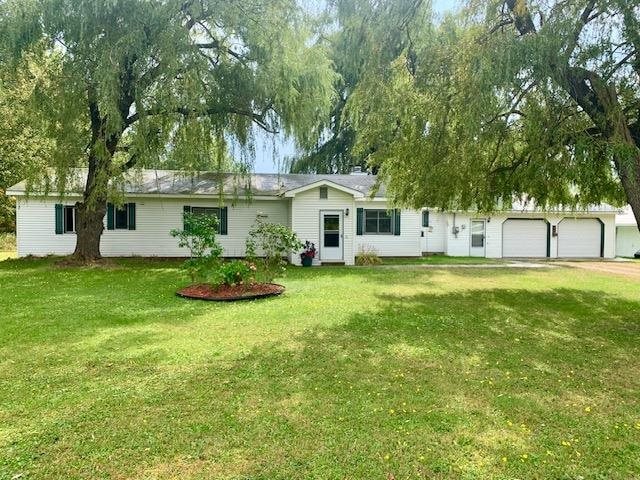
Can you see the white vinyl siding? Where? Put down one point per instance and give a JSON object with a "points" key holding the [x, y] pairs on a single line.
{"points": [[526, 238], [155, 218], [407, 244], [627, 240], [305, 218], [433, 240], [579, 238]]}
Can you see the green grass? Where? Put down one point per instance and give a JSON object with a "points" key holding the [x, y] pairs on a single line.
{"points": [[439, 260], [353, 373]]}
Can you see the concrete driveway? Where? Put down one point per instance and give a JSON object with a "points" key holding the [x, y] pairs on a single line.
{"points": [[629, 269]]}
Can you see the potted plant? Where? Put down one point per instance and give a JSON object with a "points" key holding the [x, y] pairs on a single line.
{"points": [[308, 254]]}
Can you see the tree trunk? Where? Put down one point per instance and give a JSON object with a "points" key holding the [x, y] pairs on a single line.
{"points": [[91, 211], [628, 167], [89, 227]]}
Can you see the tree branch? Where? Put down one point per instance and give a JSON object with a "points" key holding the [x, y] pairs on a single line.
{"points": [[259, 118], [521, 16], [622, 62], [584, 19], [513, 109]]}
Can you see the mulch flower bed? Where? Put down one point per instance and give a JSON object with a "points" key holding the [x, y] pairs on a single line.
{"points": [[227, 293]]}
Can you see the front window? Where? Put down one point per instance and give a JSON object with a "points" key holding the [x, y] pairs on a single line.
{"points": [[69, 219], [208, 211], [122, 218], [377, 222]]}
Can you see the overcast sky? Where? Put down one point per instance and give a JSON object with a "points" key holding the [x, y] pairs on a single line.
{"points": [[267, 162]]}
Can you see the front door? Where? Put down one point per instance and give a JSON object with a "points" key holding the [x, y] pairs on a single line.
{"points": [[478, 238], [331, 236]]}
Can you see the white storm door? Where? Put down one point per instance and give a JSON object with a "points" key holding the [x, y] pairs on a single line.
{"points": [[331, 236], [478, 238]]}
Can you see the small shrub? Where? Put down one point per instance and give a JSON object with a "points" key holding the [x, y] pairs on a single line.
{"points": [[7, 242], [236, 272], [367, 256], [199, 237], [276, 241]]}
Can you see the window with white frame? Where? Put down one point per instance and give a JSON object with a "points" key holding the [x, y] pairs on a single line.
{"points": [[378, 222]]}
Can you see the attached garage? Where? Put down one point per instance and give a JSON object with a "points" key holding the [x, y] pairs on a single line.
{"points": [[580, 238], [525, 238], [627, 240]]}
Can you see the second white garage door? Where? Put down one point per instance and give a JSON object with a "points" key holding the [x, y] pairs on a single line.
{"points": [[579, 237], [524, 238]]}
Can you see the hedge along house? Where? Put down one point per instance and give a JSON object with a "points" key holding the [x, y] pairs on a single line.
{"points": [[341, 214]]}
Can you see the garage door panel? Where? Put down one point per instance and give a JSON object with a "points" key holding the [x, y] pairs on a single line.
{"points": [[526, 238], [579, 238]]}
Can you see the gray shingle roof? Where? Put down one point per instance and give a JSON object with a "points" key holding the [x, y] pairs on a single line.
{"points": [[173, 182]]}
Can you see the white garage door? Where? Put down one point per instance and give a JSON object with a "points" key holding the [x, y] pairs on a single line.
{"points": [[524, 238], [579, 237]]}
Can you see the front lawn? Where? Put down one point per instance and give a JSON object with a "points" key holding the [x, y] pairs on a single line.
{"points": [[354, 373], [440, 260]]}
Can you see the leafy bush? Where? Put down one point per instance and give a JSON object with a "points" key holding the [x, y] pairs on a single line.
{"points": [[199, 237], [7, 242], [367, 256], [236, 272], [275, 241], [7, 213]]}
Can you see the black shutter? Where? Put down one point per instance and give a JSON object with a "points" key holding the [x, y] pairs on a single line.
{"points": [[131, 215], [186, 210], [359, 220], [59, 218], [396, 219], [223, 221], [110, 217]]}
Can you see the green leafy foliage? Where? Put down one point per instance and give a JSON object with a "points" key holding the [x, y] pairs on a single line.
{"points": [[272, 242], [147, 84], [358, 33], [199, 237], [26, 140], [527, 99], [236, 272]]}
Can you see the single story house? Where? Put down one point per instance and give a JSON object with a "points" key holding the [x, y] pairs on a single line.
{"points": [[341, 214], [627, 234]]}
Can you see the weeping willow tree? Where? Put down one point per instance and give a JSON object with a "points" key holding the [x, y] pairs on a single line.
{"points": [[525, 98], [24, 141], [141, 81], [355, 32]]}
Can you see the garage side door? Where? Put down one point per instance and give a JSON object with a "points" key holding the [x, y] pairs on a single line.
{"points": [[524, 238], [579, 237]]}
